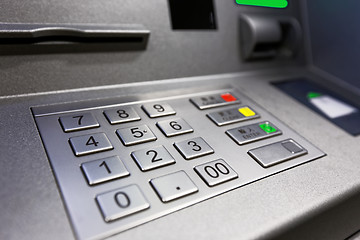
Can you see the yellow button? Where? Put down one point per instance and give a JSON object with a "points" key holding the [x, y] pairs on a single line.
{"points": [[247, 112]]}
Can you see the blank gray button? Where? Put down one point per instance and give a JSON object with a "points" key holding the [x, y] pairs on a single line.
{"points": [[91, 143], [135, 135], [193, 148], [154, 110], [173, 186], [78, 122], [105, 169], [121, 202], [292, 147], [216, 172], [278, 152], [121, 115], [151, 158], [174, 127]]}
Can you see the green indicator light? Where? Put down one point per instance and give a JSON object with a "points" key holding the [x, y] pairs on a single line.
{"points": [[264, 3], [267, 128], [313, 95]]}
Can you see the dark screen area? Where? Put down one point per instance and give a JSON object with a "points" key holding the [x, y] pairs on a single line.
{"points": [[335, 39], [190, 14]]}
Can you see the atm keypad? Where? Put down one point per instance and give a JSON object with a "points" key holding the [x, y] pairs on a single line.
{"points": [[137, 161]]}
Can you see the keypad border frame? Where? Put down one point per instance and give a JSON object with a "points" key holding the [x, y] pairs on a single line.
{"points": [[101, 229]]}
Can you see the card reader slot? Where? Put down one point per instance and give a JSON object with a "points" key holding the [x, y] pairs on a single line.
{"points": [[24, 33]]}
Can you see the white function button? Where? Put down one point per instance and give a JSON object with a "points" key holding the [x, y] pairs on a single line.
{"points": [[278, 152], [122, 202], [91, 143], [154, 110], [193, 148], [173, 186], [174, 127], [216, 172], [121, 115], [105, 169], [152, 158], [135, 135], [78, 122]]}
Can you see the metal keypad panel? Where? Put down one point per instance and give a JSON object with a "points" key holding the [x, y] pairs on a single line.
{"points": [[127, 162]]}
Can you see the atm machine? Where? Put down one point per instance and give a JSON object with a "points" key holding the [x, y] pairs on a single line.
{"points": [[179, 119]]}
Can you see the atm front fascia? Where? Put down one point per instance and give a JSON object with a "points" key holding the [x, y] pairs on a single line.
{"points": [[119, 120]]}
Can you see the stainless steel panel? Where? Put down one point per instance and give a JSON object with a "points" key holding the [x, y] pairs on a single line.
{"points": [[224, 147]]}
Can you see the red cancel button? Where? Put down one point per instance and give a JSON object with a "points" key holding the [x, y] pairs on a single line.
{"points": [[228, 97]]}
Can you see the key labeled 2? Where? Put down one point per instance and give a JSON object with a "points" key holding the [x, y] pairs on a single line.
{"points": [[151, 158]]}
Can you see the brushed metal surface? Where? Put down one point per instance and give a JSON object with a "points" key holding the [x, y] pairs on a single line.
{"points": [[208, 142], [169, 54], [308, 198]]}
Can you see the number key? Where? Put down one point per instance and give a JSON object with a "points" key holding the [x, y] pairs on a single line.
{"points": [[78, 122], [91, 143], [193, 148], [102, 170], [121, 115], [174, 127], [215, 172], [154, 110], [155, 157], [134, 135], [122, 202]]}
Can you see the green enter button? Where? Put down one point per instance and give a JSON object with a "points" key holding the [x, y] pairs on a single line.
{"points": [[267, 128]]}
